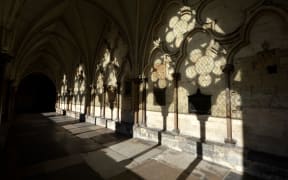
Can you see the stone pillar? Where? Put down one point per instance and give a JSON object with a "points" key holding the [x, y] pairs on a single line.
{"points": [[11, 100], [8, 101], [100, 96], [228, 70], [176, 78], [65, 101], [88, 100], [144, 94], [58, 100], [75, 103], [70, 99], [94, 103], [104, 102], [118, 101], [136, 101], [4, 59], [112, 93]]}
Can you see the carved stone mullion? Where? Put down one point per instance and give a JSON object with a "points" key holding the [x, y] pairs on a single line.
{"points": [[176, 78], [228, 70], [118, 101], [144, 94], [137, 82]]}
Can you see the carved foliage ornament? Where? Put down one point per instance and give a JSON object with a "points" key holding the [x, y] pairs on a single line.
{"points": [[162, 71]]}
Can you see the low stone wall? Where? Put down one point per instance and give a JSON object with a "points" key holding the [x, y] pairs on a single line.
{"points": [[58, 110], [223, 154], [73, 114], [190, 125], [147, 134]]}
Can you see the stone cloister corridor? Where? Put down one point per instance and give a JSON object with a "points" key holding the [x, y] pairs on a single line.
{"points": [[50, 146], [143, 89]]}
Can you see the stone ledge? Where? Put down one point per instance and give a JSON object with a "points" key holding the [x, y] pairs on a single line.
{"points": [[111, 124], [125, 128], [148, 134], [100, 121], [73, 114], [222, 154], [225, 155], [90, 119]]}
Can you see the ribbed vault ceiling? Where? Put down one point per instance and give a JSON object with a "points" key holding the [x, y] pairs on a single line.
{"points": [[53, 36]]}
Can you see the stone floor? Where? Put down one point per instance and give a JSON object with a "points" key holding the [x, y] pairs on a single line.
{"points": [[50, 146]]}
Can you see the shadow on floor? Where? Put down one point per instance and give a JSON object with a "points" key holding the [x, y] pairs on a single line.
{"points": [[40, 148]]}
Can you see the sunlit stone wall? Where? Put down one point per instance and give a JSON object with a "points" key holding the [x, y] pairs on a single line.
{"points": [[198, 43]]}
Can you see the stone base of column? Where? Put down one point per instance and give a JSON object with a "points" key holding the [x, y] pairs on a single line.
{"points": [[230, 141], [142, 125], [117, 120], [175, 131], [82, 117]]}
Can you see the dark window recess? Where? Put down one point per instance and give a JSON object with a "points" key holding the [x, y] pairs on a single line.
{"points": [[127, 88], [272, 69], [159, 96], [199, 103]]}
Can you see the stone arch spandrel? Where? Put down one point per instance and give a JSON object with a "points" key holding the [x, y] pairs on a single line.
{"points": [[224, 17], [201, 68], [175, 22], [252, 18]]}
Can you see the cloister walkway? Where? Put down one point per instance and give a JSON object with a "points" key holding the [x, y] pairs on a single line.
{"points": [[50, 146]]}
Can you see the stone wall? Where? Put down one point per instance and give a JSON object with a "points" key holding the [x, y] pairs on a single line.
{"points": [[197, 40]]}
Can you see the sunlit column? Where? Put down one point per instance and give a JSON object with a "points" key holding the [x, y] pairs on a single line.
{"points": [[65, 100], [75, 102], [176, 78], [228, 69]]}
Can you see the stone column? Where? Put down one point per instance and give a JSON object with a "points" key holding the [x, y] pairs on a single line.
{"points": [[4, 59], [136, 101], [94, 103], [58, 100], [228, 70], [104, 102], [176, 78], [144, 94], [70, 99], [87, 105], [65, 101], [118, 101], [100, 96], [11, 100]]}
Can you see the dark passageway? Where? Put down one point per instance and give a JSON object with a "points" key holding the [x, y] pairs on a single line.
{"points": [[36, 93]]}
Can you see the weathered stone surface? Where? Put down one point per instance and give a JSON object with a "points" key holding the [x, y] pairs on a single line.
{"points": [[147, 134]]}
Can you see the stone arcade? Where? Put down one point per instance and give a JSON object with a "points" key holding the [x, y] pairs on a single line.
{"points": [[208, 77]]}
